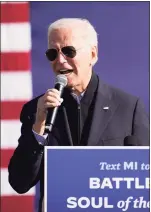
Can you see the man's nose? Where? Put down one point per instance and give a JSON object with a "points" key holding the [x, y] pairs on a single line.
{"points": [[61, 58]]}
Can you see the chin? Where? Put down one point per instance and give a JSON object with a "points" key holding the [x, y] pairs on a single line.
{"points": [[70, 85], [72, 82]]}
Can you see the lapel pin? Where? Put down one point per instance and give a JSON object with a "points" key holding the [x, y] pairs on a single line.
{"points": [[105, 108]]}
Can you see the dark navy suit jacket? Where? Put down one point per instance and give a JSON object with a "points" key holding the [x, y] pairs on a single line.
{"points": [[124, 116]]}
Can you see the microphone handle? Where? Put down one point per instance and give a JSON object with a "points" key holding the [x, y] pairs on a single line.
{"points": [[52, 112]]}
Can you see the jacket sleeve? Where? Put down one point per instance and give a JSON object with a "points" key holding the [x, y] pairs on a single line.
{"points": [[27, 161], [140, 127]]}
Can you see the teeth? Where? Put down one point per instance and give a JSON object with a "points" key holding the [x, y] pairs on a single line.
{"points": [[65, 71], [62, 71]]}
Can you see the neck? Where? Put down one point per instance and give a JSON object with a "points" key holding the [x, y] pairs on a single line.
{"points": [[81, 87]]}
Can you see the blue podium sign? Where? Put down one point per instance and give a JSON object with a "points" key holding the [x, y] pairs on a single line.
{"points": [[96, 179]]}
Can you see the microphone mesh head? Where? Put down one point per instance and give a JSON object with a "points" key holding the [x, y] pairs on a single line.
{"points": [[61, 79]]}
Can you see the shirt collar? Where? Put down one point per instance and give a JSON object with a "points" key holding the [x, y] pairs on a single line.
{"points": [[78, 98]]}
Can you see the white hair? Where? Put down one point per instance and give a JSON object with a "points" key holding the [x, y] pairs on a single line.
{"points": [[89, 33]]}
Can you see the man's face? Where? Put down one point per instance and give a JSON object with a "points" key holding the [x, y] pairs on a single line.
{"points": [[77, 69]]}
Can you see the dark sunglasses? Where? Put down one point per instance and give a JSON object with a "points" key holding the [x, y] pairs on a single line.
{"points": [[68, 51]]}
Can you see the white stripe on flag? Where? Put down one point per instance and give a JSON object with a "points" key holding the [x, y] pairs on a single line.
{"points": [[6, 189], [15, 37], [16, 86], [10, 132]]}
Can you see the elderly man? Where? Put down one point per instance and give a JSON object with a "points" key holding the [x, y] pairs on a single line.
{"points": [[90, 112]]}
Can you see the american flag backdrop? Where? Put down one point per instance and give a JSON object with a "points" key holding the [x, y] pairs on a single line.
{"points": [[16, 89]]}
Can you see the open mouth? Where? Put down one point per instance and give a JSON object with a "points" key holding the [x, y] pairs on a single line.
{"points": [[66, 71]]}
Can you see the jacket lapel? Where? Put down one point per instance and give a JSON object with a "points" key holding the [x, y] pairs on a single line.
{"points": [[105, 106]]}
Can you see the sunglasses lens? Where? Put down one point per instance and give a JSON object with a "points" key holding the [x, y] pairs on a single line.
{"points": [[69, 51], [51, 54]]}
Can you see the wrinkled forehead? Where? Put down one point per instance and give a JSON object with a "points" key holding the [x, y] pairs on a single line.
{"points": [[65, 37]]}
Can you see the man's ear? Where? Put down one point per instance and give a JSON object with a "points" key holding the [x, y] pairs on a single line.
{"points": [[94, 53]]}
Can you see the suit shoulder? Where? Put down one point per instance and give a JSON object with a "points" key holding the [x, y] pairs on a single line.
{"points": [[121, 94]]}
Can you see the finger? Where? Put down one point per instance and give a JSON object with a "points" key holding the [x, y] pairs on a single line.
{"points": [[53, 90], [53, 100], [52, 104], [53, 97]]}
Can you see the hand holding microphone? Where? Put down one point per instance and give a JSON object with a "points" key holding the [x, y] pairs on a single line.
{"points": [[47, 106]]}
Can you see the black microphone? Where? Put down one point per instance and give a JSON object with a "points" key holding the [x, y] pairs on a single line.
{"points": [[61, 82], [131, 140]]}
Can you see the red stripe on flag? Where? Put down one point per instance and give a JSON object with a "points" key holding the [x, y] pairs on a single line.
{"points": [[17, 203], [13, 61], [6, 155], [14, 12], [11, 110]]}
